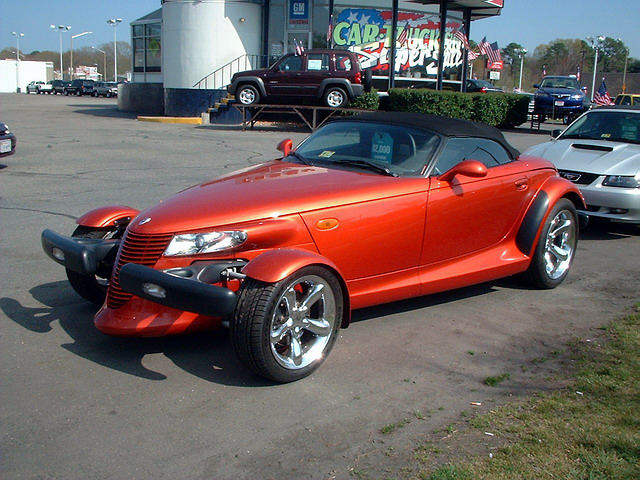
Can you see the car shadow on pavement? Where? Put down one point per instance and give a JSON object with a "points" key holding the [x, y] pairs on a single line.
{"points": [[208, 356], [603, 230]]}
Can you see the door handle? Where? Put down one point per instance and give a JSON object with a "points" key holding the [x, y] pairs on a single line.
{"points": [[522, 184]]}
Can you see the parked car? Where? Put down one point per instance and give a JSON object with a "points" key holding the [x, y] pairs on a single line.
{"points": [[560, 97], [7, 141], [105, 89], [600, 153], [332, 77], [58, 86], [80, 87], [33, 87], [368, 209], [627, 99], [481, 86]]}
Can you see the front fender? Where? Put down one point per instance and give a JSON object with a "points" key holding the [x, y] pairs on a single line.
{"points": [[109, 216], [253, 80], [552, 190], [276, 265]]}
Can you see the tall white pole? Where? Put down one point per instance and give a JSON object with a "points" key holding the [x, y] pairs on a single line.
{"points": [[17, 35], [61, 29], [115, 22]]}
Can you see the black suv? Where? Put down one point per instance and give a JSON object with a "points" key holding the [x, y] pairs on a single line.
{"points": [[80, 87], [333, 77], [59, 86]]}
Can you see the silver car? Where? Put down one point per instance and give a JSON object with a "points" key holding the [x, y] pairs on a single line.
{"points": [[600, 153]]}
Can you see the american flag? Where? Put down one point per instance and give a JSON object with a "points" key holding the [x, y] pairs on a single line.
{"points": [[494, 53], [602, 95], [299, 47], [463, 38], [484, 47], [471, 55], [330, 30], [404, 35]]}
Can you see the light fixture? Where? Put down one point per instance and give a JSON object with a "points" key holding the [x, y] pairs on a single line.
{"points": [[61, 29]]}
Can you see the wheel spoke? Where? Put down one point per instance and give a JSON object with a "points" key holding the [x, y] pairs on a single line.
{"points": [[313, 296], [560, 228], [278, 334], [559, 253], [319, 326], [296, 351]]}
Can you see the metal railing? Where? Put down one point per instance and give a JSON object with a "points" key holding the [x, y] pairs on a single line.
{"points": [[222, 76]]}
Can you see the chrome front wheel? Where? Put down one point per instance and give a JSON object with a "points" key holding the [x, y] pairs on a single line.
{"points": [[297, 319]]}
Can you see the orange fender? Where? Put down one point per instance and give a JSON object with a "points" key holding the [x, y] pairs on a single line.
{"points": [[108, 216], [276, 265]]}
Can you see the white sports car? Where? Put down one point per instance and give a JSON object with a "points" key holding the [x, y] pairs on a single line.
{"points": [[600, 153]]}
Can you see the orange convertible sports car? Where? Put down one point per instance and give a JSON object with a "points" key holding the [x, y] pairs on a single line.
{"points": [[368, 209]]}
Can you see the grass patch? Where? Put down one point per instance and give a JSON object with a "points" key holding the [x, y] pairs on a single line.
{"points": [[589, 431], [493, 381]]}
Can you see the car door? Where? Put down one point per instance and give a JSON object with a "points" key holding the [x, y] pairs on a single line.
{"points": [[285, 78], [467, 215]]}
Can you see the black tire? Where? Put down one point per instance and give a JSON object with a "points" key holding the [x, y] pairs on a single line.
{"points": [[95, 94], [368, 79], [335, 97], [91, 287], [78, 93], [284, 331], [556, 247], [66, 92], [108, 95], [247, 95]]}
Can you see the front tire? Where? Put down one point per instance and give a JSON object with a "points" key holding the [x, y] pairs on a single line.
{"points": [[248, 95], [92, 287], [283, 331], [335, 97], [556, 247]]}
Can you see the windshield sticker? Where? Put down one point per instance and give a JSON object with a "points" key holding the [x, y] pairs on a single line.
{"points": [[382, 147], [327, 154], [605, 135]]}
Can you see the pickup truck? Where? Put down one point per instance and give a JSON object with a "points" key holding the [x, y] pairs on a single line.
{"points": [[39, 87]]}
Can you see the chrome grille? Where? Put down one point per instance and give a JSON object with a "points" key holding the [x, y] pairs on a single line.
{"points": [[135, 248]]}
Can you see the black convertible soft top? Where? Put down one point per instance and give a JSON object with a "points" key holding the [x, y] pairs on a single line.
{"points": [[445, 126]]}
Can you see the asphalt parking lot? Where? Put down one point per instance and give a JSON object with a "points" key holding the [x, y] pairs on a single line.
{"points": [[77, 404]]}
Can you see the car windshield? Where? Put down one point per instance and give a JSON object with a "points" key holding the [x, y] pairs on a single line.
{"points": [[571, 83], [377, 147], [614, 126]]}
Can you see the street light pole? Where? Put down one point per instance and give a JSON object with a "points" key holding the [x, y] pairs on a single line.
{"points": [[114, 22], [17, 35], [595, 43], [72, 37], [61, 29], [521, 54], [104, 55]]}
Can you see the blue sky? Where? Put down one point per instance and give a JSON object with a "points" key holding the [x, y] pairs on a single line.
{"points": [[529, 23]]}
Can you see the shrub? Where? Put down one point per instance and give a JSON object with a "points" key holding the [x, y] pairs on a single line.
{"points": [[503, 110]]}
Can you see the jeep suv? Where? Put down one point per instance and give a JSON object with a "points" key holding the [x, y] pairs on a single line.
{"points": [[332, 77], [80, 87], [559, 97]]}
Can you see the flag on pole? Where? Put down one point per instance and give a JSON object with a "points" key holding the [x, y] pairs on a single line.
{"points": [[471, 55], [494, 53], [330, 30], [602, 95], [462, 37], [484, 47], [404, 34], [299, 47]]}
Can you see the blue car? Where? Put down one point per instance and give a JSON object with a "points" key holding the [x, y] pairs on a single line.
{"points": [[559, 97]]}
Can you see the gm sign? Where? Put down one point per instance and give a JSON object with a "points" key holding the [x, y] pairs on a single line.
{"points": [[299, 12]]}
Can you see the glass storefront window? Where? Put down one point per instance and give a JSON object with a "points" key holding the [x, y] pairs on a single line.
{"points": [[147, 48]]}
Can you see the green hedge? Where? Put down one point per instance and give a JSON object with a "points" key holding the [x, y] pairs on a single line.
{"points": [[502, 110], [368, 100]]}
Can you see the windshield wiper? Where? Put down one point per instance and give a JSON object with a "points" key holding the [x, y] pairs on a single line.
{"points": [[302, 160], [366, 166]]}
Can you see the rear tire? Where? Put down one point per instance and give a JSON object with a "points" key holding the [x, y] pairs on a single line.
{"points": [[335, 97], [556, 247], [91, 287]]}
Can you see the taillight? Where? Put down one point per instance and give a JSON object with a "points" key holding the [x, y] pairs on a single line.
{"points": [[483, 90], [358, 77]]}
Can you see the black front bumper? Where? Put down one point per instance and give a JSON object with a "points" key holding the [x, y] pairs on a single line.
{"points": [[81, 255], [187, 289]]}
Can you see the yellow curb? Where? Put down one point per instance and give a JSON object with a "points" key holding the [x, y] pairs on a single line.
{"points": [[187, 120]]}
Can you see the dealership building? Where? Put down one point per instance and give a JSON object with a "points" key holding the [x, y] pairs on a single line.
{"points": [[185, 52]]}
